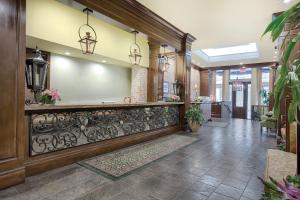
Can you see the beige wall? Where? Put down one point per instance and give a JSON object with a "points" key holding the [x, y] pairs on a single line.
{"points": [[55, 22], [139, 84], [225, 88], [80, 81]]}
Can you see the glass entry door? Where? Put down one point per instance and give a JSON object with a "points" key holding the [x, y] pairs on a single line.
{"points": [[240, 101]]}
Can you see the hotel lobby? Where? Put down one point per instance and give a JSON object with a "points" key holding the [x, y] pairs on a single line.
{"points": [[149, 100]]}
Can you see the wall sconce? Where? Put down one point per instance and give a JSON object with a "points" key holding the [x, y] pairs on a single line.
{"points": [[87, 35], [135, 51], [164, 60], [36, 72]]}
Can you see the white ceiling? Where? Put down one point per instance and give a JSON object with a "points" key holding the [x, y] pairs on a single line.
{"points": [[222, 23]]}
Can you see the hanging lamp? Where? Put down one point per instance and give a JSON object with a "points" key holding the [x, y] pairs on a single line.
{"points": [[135, 51], [87, 35], [164, 60]]}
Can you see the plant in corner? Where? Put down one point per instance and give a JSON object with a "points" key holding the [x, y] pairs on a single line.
{"points": [[289, 69], [288, 78], [195, 117]]}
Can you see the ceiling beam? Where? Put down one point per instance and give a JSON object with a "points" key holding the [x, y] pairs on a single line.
{"points": [[251, 65]]}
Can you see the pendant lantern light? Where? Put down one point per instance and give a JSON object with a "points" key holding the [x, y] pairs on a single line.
{"points": [[87, 35], [164, 60], [135, 51]]}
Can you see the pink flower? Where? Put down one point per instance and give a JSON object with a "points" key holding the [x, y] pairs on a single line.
{"points": [[55, 96]]}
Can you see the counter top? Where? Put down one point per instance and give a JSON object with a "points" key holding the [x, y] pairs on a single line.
{"points": [[37, 107]]}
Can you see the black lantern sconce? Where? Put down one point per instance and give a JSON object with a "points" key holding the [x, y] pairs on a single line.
{"points": [[177, 87], [164, 60], [87, 35], [135, 51], [36, 72]]}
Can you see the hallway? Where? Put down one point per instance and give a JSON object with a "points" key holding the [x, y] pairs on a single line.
{"points": [[223, 164]]}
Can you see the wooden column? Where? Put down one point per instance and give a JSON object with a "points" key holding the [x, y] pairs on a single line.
{"points": [[183, 72], [153, 71], [12, 61]]}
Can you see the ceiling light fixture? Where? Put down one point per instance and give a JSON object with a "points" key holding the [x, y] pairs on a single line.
{"points": [[103, 61], [87, 35], [135, 51], [67, 53]]}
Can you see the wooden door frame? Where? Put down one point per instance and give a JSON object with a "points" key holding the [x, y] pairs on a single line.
{"points": [[245, 98]]}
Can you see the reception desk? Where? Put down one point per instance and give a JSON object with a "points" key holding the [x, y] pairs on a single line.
{"points": [[76, 132]]}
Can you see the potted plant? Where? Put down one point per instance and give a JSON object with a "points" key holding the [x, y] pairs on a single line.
{"points": [[49, 97], [289, 68], [195, 117]]}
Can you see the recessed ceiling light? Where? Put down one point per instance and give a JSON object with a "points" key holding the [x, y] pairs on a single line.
{"points": [[276, 52], [67, 53], [241, 63], [104, 61]]}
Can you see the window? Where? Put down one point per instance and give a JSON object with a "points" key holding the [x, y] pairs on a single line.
{"points": [[219, 84], [240, 74], [265, 79]]}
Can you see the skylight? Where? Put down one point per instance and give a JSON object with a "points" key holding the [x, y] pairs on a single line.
{"points": [[240, 52], [248, 48]]}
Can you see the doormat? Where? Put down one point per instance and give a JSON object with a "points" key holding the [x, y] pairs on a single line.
{"points": [[122, 162]]}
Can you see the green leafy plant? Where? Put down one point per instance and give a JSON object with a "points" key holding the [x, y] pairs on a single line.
{"points": [[289, 69], [194, 114]]}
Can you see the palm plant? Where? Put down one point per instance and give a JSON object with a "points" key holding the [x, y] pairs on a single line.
{"points": [[289, 69]]}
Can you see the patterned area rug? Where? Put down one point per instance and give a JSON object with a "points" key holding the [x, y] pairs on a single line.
{"points": [[122, 162]]}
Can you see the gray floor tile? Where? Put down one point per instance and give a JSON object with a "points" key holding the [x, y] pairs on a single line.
{"points": [[216, 196], [229, 191], [223, 163]]}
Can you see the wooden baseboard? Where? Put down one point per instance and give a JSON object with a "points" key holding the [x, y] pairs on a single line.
{"points": [[12, 177], [42, 163]]}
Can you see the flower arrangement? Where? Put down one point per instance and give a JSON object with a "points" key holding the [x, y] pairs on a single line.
{"points": [[49, 96], [278, 191], [175, 98]]}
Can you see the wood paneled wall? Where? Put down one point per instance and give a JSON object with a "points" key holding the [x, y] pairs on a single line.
{"points": [[204, 83], [12, 61], [13, 135]]}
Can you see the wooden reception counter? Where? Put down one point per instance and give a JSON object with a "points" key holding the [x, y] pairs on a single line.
{"points": [[63, 134]]}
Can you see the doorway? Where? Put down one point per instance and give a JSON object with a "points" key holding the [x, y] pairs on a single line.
{"points": [[240, 101]]}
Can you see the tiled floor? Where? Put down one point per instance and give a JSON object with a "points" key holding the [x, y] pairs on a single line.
{"points": [[222, 165]]}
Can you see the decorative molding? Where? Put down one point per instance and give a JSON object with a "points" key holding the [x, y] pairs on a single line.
{"points": [[251, 65]]}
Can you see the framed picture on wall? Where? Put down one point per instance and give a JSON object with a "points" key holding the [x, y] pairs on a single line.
{"points": [[166, 87]]}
